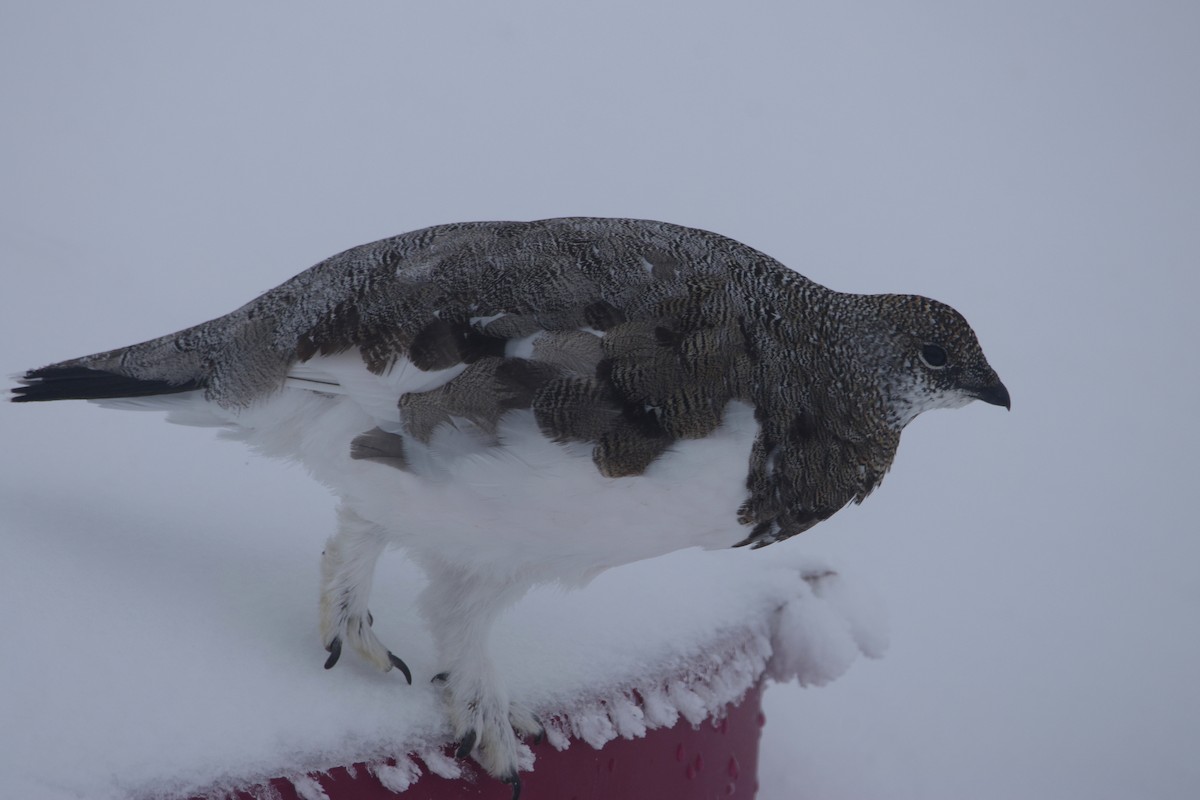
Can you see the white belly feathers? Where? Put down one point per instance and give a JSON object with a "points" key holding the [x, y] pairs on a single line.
{"points": [[511, 500]]}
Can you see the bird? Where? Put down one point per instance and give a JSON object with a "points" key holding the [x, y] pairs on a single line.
{"points": [[515, 404]]}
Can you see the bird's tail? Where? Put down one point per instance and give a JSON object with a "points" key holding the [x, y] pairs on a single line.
{"points": [[156, 367], [62, 382], [233, 359]]}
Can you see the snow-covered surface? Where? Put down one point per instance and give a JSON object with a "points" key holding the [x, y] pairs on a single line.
{"points": [[169, 656], [1034, 164]]}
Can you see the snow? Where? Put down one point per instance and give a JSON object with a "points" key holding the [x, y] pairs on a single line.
{"points": [[1032, 164], [175, 654]]}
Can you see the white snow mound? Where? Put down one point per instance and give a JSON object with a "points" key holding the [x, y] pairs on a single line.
{"points": [[168, 663]]}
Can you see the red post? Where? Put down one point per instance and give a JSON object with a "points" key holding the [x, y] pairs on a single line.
{"points": [[717, 759]]}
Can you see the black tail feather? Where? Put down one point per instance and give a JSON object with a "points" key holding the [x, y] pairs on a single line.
{"points": [[82, 383]]}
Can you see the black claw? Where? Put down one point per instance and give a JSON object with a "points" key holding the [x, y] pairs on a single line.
{"points": [[400, 665], [440, 678], [370, 619], [466, 745], [515, 780], [335, 652]]}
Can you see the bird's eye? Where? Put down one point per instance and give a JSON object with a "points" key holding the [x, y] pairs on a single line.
{"points": [[934, 355]]}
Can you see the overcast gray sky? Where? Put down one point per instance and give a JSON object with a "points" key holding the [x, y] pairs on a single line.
{"points": [[1035, 164]]}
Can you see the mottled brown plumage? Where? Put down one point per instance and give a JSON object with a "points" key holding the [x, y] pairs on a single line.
{"points": [[624, 340]]}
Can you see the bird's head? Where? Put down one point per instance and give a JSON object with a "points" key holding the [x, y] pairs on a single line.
{"points": [[930, 358]]}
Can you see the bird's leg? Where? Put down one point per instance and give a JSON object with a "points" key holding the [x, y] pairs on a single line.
{"points": [[461, 608], [347, 569]]}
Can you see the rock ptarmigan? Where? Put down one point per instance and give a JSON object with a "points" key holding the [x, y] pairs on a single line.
{"points": [[516, 403]]}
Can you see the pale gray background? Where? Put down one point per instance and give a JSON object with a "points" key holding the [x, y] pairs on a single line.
{"points": [[1035, 164]]}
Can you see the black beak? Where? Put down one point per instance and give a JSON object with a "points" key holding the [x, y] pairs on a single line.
{"points": [[996, 394]]}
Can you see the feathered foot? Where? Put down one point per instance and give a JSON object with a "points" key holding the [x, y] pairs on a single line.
{"points": [[485, 723], [347, 568], [362, 640], [489, 728]]}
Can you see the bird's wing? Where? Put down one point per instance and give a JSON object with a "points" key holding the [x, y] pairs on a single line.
{"points": [[604, 333]]}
